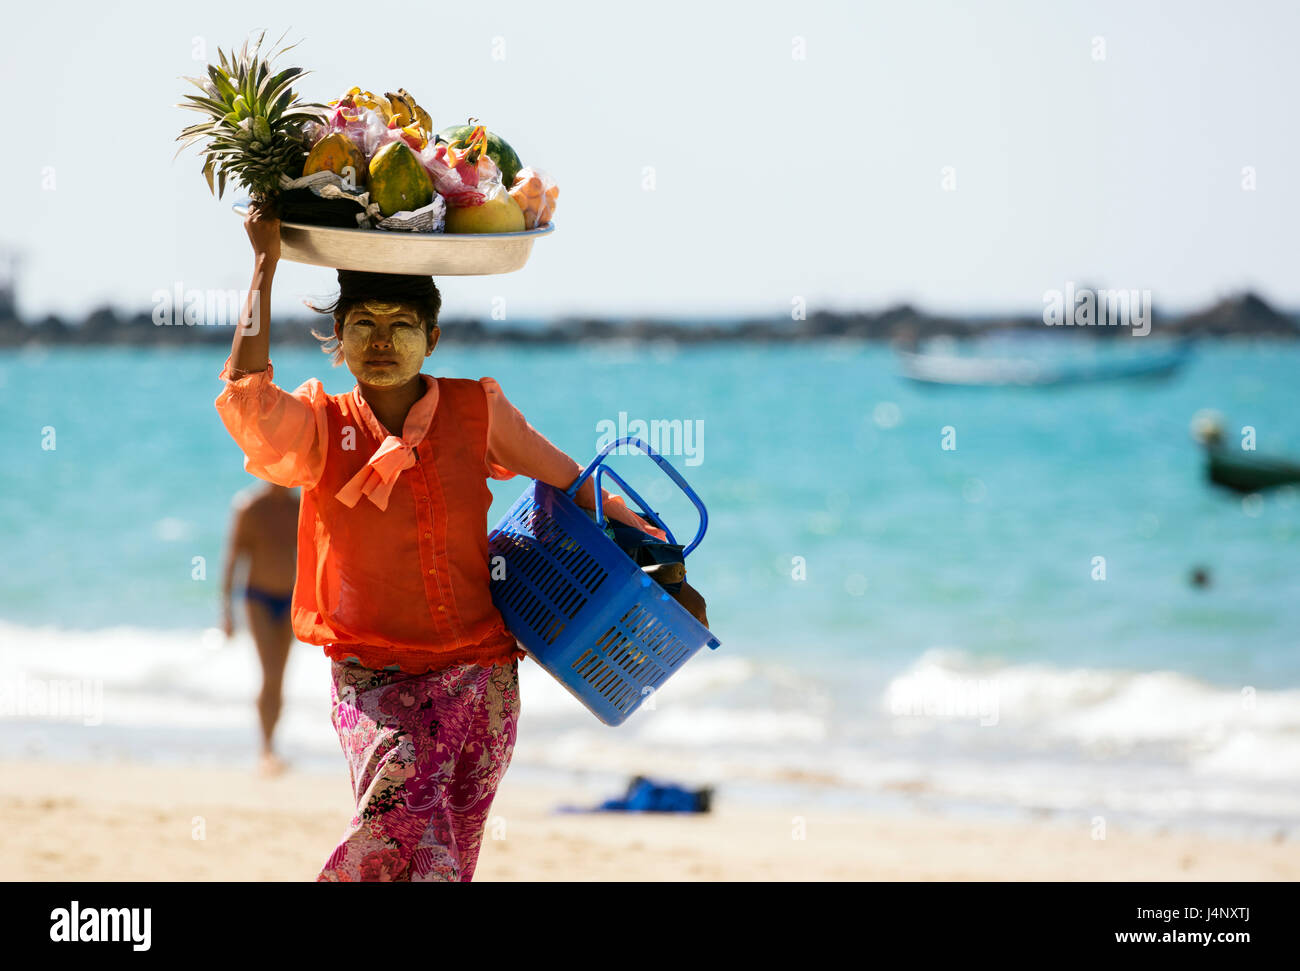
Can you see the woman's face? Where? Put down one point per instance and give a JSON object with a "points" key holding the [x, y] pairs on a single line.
{"points": [[385, 344]]}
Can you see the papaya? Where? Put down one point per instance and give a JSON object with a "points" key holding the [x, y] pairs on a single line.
{"points": [[398, 182], [336, 153], [498, 150], [499, 214]]}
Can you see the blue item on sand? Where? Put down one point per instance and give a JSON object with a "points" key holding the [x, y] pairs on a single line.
{"points": [[646, 796], [580, 606]]}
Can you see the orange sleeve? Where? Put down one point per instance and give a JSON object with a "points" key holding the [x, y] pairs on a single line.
{"points": [[517, 448], [282, 434]]}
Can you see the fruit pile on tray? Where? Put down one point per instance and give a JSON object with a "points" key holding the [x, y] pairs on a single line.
{"points": [[362, 162], [385, 144]]}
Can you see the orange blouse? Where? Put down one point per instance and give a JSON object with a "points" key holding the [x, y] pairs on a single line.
{"points": [[392, 530]]}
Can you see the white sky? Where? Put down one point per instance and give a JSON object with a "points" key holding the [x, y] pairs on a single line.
{"points": [[776, 177]]}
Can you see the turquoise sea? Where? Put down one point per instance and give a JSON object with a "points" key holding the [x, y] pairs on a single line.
{"points": [[903, 625]]}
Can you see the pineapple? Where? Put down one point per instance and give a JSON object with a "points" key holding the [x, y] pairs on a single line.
{"points": [[257, 131]]}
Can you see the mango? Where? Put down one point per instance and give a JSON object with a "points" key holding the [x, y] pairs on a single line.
{"points": [[398, 182], [500, 214], [336, 153]]}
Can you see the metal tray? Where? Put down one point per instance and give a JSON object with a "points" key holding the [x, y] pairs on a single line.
{"points": [[420, 254]]}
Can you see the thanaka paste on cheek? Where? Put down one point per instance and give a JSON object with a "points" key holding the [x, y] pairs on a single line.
{"points": [[408, 347]]}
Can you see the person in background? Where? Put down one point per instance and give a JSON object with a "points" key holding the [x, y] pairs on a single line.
{"points": [[264, 528]]}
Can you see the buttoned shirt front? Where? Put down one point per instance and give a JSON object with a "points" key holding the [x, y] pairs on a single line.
{"points": [[393, 564]]}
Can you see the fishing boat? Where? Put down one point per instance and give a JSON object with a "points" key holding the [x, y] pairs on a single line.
{"points": [[1017, 367], [1246, 472], [1238, 470]]}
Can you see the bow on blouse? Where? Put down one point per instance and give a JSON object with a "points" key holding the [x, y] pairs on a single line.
{"points": [[376, 477]]}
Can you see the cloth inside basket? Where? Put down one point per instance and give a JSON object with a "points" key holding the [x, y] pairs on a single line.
{"points": [[661, 560]]}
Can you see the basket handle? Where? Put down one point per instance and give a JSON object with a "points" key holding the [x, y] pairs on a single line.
{"points": [[664, 464], [645, 509]]}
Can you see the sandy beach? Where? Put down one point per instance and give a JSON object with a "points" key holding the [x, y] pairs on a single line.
{"points": [[132, 822]]}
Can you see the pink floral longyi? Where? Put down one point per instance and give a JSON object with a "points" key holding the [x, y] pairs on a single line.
{"points": [[425, 756]]}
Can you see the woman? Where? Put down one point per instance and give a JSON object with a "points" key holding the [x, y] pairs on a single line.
{"points": [[393, 572]]}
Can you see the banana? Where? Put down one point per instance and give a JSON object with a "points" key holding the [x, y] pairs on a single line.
{"points": [[384, 107], [392, 106], [375, 102], [418, 114], [401, 109]]}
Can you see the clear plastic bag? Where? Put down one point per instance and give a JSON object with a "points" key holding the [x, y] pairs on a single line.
{"points": [[463, 174], [536, 193], [411, 134], [364, 127]]}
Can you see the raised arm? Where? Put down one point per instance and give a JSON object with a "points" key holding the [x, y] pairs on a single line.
{"points": [[282, 434], [250, 350], [517, 448]]}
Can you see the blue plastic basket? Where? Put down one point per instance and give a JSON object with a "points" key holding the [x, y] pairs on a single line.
{"points": [[580, 606]]}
